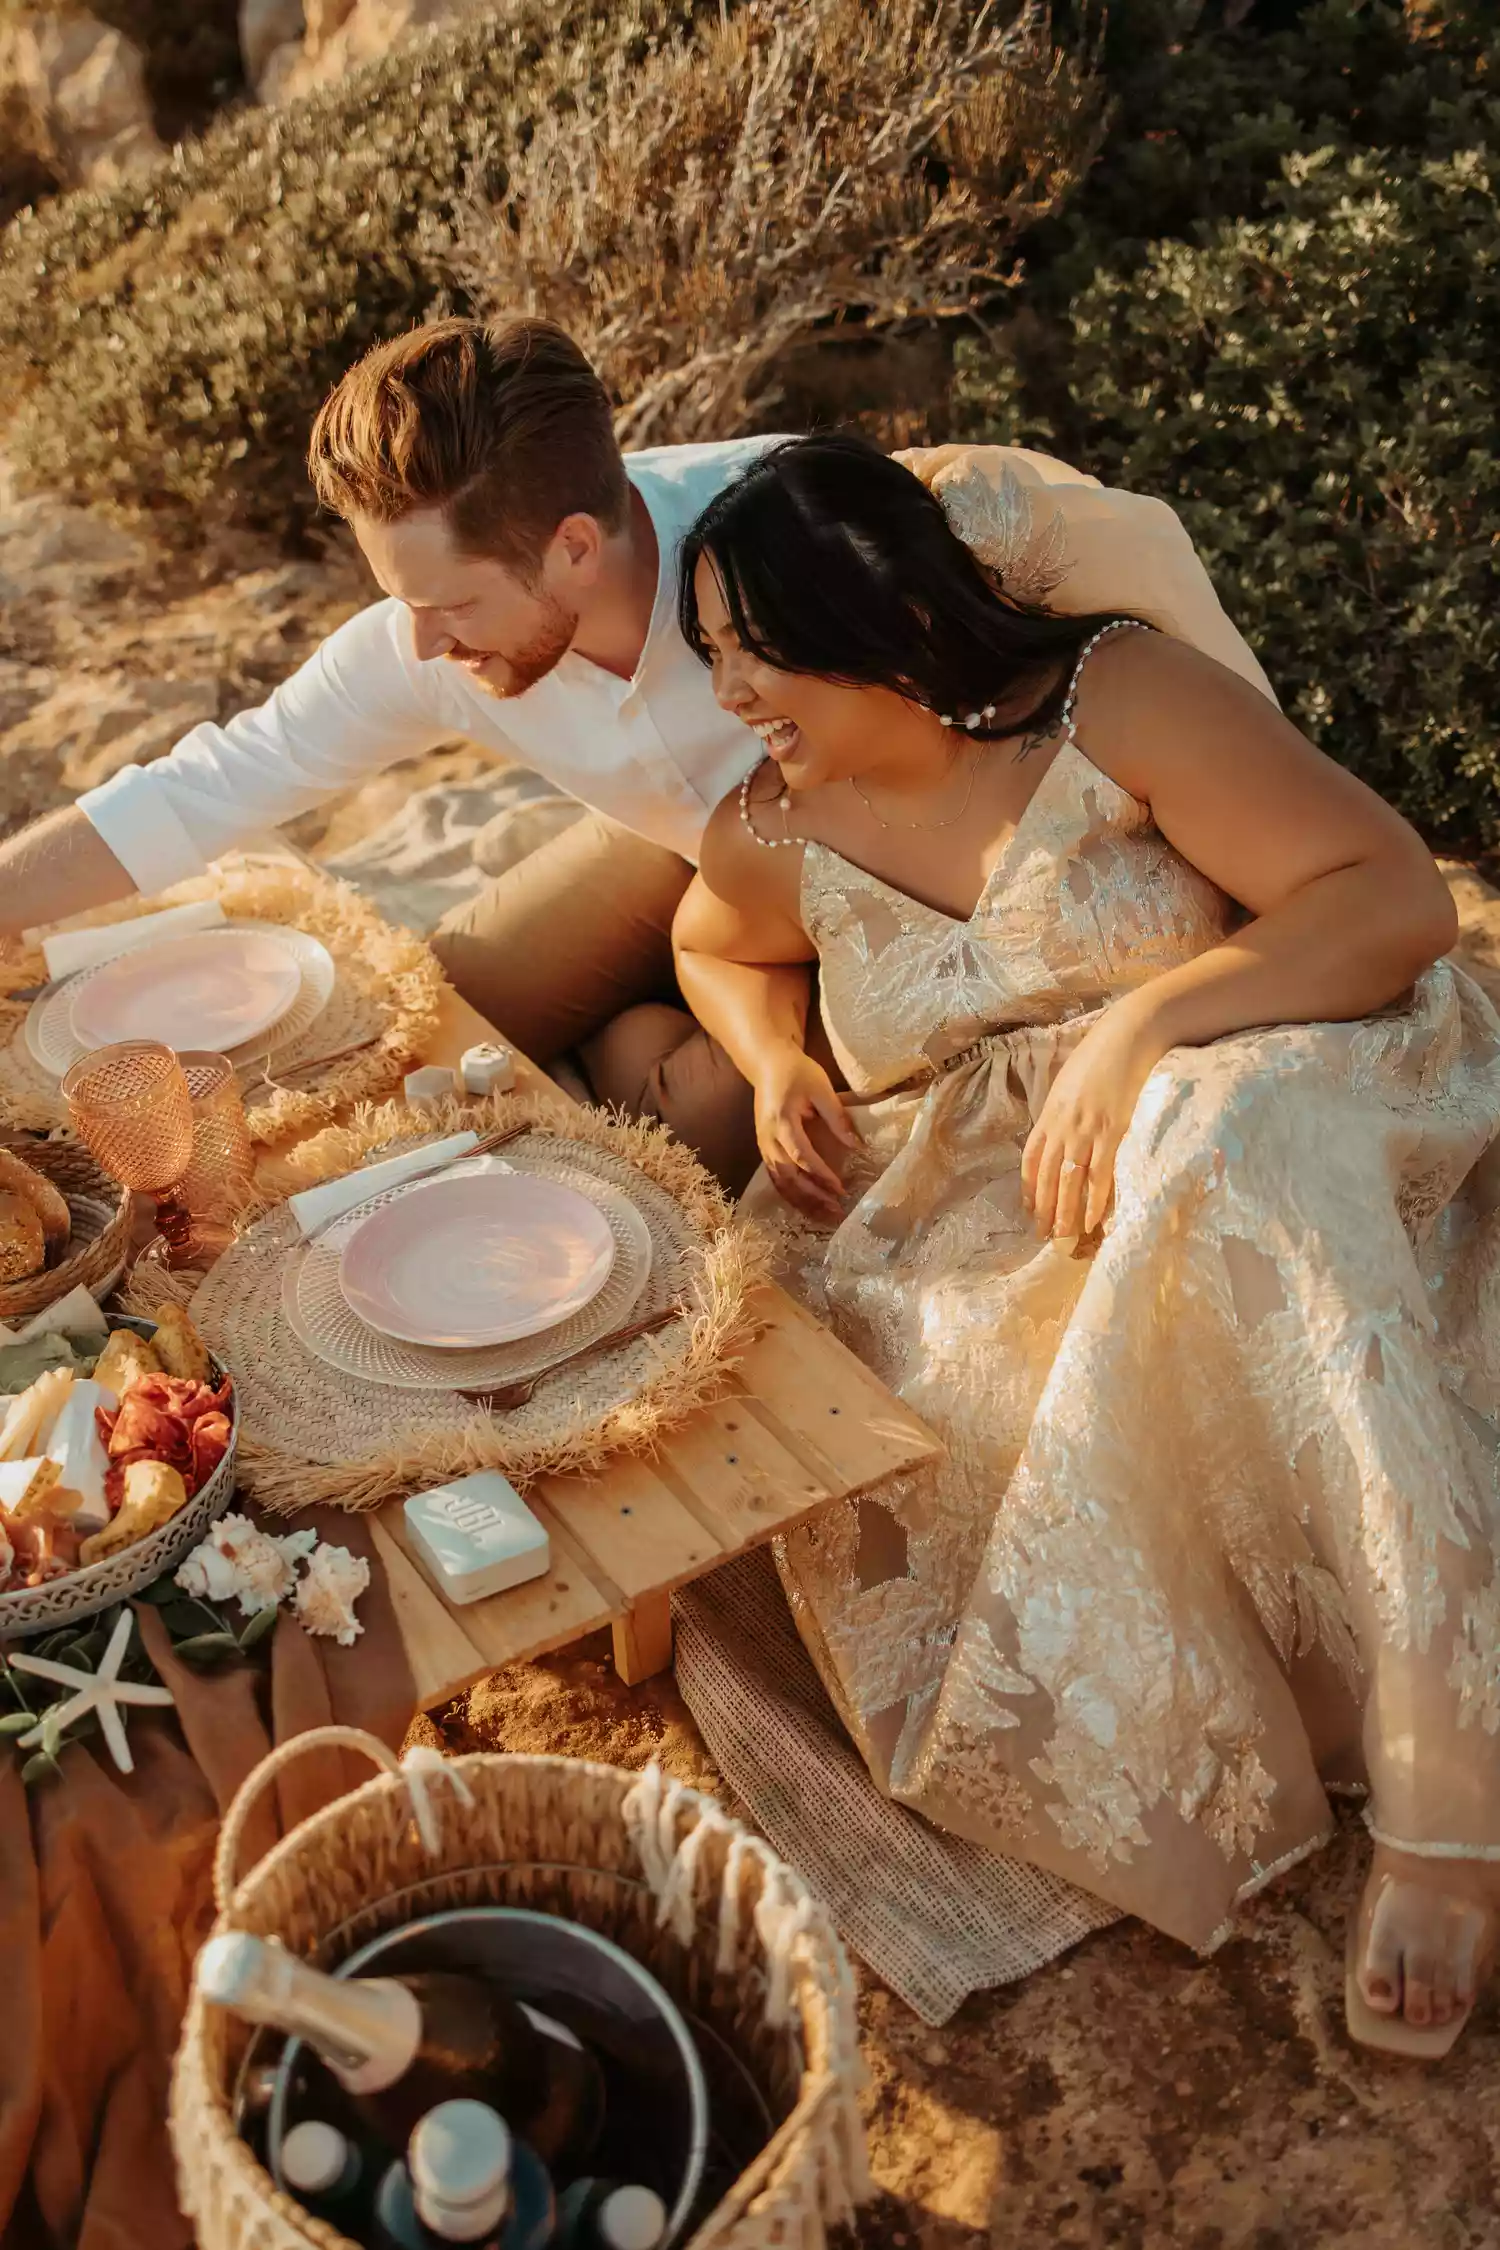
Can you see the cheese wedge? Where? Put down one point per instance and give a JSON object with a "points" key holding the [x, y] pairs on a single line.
{"points": [[29, 1422], [82, 1462], [24, 1485]]}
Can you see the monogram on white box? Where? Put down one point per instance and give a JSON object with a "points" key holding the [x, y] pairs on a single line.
{"points": [[476, 1536]]}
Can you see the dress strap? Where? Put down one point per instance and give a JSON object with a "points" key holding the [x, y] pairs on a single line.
{"points": [[1070, 704]]}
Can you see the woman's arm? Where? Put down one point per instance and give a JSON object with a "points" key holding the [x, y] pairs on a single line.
{"points": [[741, 955], [1348, 906]]}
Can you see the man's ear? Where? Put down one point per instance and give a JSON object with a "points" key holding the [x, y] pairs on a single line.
{"points": [[578, 543]]}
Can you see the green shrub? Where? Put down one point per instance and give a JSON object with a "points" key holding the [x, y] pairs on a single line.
{"points": [[1317, 393], [1205, 118], [775, 185], [166, 342]]}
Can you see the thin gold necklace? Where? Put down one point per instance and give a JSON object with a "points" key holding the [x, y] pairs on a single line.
{"points": [[952, 822]]}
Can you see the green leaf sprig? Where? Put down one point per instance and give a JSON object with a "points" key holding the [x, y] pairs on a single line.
{"points": [[203, 1634]]}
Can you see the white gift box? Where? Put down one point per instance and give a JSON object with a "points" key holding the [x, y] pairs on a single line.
{"points": [[476, 1536]]}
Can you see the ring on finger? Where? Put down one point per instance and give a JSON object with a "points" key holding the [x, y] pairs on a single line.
{"points": [[1075, 1164]]}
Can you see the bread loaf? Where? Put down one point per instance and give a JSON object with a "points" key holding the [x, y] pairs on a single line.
{"points": [[179, 1346], [17, 1177], [23, 1245]]}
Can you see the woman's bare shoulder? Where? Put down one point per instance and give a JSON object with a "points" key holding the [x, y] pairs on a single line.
{"points": [[1144, 697], [740, 857]]}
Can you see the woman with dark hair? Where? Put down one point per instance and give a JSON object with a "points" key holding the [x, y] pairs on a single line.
{"points": [[1166, 1190]]}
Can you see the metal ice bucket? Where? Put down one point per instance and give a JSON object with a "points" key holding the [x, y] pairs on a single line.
{"points": [[560, 1968]]}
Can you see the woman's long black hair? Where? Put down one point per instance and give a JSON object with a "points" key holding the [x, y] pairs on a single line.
{"points": [[836, 561]]}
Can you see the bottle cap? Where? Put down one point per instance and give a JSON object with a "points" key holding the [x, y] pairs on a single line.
{"points": [[313, 2156], [460, 2157], [632, 2218]]}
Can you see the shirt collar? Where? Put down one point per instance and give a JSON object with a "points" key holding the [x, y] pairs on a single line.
{"points": [[673, 508]]}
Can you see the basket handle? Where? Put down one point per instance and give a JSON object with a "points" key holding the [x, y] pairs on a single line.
{"points": [[231, 1833]]}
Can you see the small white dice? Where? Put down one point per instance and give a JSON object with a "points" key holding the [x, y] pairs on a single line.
{"points": [[476, 1536]]}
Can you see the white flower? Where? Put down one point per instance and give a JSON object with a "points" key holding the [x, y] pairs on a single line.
{"points": [[238, 1559], [327, 1591]]}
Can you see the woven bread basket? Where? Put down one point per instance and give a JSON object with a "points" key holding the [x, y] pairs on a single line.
{"points": [[732, 1933], [103, 1216]]}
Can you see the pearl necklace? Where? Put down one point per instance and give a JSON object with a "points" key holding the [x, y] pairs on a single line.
{"points": [[973, 720], [784, 806]]}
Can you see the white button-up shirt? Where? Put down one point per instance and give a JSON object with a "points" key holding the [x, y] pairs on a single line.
{"points": [[654, 752]]}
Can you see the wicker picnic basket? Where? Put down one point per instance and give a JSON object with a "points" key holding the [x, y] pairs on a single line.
{"points": [[103, 1216], [732, 1933]]}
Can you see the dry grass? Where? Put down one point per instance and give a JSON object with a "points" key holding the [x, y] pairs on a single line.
{"points": [[772, 181]]}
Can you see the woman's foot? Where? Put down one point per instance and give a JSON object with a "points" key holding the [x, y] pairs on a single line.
{"points": [[1424, 1939]]}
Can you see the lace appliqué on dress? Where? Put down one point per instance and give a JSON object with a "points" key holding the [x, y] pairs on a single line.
{"points": [[998, 523]]}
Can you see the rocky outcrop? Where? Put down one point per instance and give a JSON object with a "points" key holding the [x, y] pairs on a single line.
{"points": [[79, 89], [335, 36], [269, 28]]}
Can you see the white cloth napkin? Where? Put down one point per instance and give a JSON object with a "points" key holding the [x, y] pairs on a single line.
{"points": [[71, 950], [315, 1206], [77, 1314]]}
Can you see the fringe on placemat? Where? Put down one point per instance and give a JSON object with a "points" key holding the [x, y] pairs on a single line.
{"points": [[734, 1261], [392, 971]]}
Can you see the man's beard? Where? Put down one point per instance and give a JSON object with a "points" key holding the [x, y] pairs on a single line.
{"points": [[513, 674]]}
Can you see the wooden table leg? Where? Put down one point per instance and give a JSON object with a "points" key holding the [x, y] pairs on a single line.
{"points": [[643, 1639]]}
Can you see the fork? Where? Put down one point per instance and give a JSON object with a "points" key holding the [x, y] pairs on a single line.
{"points": [[486, 1145], [500, 1398]]}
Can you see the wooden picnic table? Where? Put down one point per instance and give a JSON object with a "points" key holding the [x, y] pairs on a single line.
{"points": [[803, 1424]]}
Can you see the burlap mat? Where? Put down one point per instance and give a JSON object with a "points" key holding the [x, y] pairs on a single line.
{"points": [[934, 1916], [309, 1433], [387, 990]]}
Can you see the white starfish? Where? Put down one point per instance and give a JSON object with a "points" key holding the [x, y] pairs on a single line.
{"points": [[98, 1691]]}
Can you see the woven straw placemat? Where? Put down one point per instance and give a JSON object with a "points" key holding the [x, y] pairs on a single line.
{"points": [[308, 1433], [387, 990]]}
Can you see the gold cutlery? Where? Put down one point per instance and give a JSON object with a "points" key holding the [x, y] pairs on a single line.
{"points": [[500, 1398], [275, 1079]]}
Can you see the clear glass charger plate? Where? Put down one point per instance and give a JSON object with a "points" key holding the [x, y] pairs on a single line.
{"points": [[319, 1316], [51, 1042]]}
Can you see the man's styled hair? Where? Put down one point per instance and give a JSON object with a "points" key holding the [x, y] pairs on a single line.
{"points": [[502, 424]]}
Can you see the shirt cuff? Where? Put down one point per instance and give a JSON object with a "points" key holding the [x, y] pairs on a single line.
{"points": [[137, 820]]}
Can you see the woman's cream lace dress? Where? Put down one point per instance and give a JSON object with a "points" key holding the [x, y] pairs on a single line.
{"points": [[1220, 1518]]}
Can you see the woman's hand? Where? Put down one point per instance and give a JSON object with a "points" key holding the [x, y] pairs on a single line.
{"points": [[1068, 1164], [795, 1107]]}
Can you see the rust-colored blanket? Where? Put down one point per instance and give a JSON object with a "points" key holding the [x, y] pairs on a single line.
{"points": [[104, 1898]]}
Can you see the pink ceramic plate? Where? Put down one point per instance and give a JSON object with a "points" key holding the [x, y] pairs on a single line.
{"points": [[477, 1258], [210, 988]]}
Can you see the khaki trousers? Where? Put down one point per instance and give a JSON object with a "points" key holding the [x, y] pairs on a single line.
{"points": [[570, 952]]}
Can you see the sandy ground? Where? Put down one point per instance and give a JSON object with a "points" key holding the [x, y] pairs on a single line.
{"points": [[1127, 2095]]}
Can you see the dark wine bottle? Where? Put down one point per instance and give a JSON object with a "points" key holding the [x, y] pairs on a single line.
{"points": [[465, 2179], [402, 2045], [609, 2215]]}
